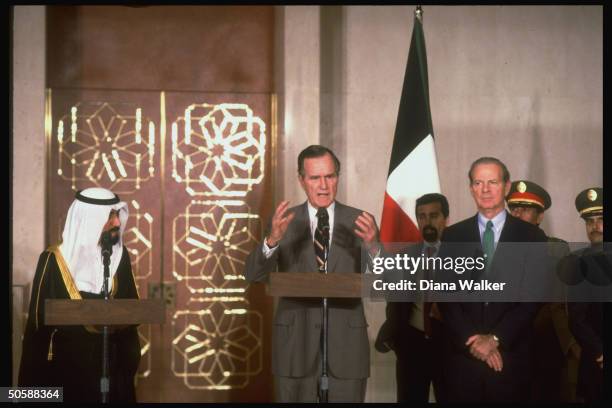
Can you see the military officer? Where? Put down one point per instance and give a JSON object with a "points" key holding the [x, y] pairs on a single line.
{"points": [[556, 350], [586, 318]]}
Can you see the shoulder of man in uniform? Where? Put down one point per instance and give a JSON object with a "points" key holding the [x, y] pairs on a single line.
{"points": [[555, 239], [527, 227], [580, 252]]}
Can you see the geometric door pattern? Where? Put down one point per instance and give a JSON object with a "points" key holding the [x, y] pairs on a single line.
{"points": [[195, 171]]}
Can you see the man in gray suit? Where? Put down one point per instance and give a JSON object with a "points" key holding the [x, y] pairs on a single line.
{"points": [[291, 245]]}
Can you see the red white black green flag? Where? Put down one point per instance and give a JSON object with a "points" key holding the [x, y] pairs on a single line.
{"points": [[413, 169]]}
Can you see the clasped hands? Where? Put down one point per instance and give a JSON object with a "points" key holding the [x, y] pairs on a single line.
{"points": [[485, 348], [365, 224]]}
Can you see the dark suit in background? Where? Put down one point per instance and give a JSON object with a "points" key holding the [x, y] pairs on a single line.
{"points": [[586, 318], [467, 378], [586, 323], [555, 349], [418, 356]]}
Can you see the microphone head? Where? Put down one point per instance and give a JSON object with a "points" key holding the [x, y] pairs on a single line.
{"points": [[107, 240], [325, 230], [323, 221], [107, 246], [323, 216]]}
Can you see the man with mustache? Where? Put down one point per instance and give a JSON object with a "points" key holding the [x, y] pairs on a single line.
{"points": [[293, 244], [71, 356], [413, 329], [586, 318]]}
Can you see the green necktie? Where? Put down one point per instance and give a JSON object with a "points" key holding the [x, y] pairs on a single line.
{"points": [[488, 243]]}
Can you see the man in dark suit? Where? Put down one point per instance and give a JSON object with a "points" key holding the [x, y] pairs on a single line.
{"points": [[586, 318], [293, 245], [556, 351], [413, 329], [488, 352]]}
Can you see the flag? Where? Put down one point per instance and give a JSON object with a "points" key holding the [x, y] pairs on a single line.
{"points": [[413, 169]]}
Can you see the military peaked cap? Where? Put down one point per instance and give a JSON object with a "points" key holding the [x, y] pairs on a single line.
{"points": [[528, 194], [590, 202]]}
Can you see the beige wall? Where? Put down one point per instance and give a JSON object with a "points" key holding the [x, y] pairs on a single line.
{"points": [[28, 140], [297, 84], [28, 188]]}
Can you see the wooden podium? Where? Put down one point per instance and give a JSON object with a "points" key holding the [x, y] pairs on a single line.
{"points": [[100, 312], [315, 284]]}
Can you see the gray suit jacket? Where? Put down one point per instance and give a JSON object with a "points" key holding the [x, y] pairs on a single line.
{"points": [[296, 336]]}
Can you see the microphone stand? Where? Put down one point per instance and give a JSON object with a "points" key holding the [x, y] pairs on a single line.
{"points": [[324, 381], [107, 250]]}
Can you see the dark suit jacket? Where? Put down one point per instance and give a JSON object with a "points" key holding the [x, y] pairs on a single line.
{"points": [[586, 324], [393, 332], [467, 378], [296, 336]]}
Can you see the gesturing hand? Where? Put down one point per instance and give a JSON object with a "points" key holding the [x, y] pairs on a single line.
{"points": [[280, 222], [367, 230]]}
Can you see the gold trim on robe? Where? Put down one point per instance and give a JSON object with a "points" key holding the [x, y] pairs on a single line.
{"points": [[38, 292], [71, 287]]}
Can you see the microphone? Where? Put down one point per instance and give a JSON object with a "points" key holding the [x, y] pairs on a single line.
{"points": [[107, 244], [325, 231], [325, 228]]}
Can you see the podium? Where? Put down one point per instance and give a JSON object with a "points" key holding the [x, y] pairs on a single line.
{"points": [[106, 313], [315, 284], [113, 312]]}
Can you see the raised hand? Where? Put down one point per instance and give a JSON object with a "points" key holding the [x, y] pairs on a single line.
{"points": [[280, 222], [367, 230]]}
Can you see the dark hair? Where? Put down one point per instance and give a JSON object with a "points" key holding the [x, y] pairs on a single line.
{"points": [[314, 151], [433, 198], [490, 160]]}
